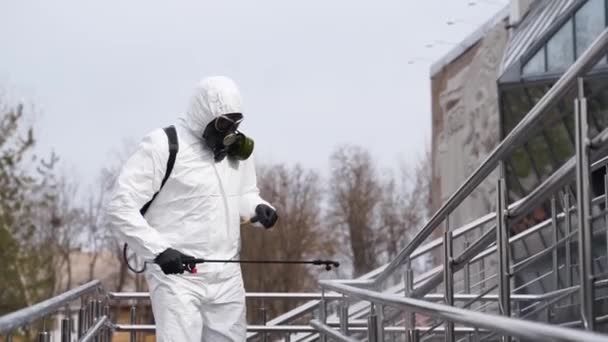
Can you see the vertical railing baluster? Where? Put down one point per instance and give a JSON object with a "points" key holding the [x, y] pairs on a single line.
{"points": [[372, 325], [408, 287], [323, 313], [554, 253], [66, 333], [569, 281], [583, 206], [344, 316], [133, 321], [502, 242], [448, 278]]}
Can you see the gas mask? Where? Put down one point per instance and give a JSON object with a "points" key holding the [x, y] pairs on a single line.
{"points": [[223, 138]]}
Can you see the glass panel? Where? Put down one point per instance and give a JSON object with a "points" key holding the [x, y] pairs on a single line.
{"points": [[515, 190], [560, 142], [540, 152], [590, 21], [598, 102], [516, 106], [522, 167], [536, 93], [536, 64], [560, 49]]}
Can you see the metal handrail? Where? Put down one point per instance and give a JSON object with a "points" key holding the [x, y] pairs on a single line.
{"points": [[27, 315], [584, 63], [249, 295], [334, 334], [102, 323], [505, 325]]}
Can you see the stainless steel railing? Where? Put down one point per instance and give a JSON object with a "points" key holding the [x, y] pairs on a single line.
{"points": [[520, 132], [578, 168], [91, 322]]}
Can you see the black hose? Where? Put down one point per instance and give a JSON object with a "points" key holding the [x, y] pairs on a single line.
{"points": [[124, 256]]}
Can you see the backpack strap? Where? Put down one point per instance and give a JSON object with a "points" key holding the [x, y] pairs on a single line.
{"points": [[173, 148]]}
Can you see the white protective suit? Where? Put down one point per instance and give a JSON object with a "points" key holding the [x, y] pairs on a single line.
{"points": [[198, 213]]}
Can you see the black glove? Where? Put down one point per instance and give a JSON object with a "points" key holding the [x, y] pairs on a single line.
{"points": [[265, 215], [172, 261]]}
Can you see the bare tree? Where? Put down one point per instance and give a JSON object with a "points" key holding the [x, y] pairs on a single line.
{"points": [[64, 219], [28, 275], [299, 234], [355, 194], [405, 204]]}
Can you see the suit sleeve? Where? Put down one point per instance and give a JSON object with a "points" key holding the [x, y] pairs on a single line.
{"points": [[139, 179], [250, 193]]}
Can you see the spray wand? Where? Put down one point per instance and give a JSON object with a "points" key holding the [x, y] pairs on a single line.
{"points": [[329, 264]]}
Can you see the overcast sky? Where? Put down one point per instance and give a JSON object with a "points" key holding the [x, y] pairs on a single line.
{"points": [[314, 73]]}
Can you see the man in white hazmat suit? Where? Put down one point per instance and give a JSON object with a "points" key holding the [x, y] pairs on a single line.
{"points": [[211, 188]]}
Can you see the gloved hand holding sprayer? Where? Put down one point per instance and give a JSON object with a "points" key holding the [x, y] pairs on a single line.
{"points": [[172, 261]]}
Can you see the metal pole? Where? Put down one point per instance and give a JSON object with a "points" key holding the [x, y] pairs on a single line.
{"points": [[264, 321], [323, 312], [502, 239], [133, 321], [97, 314], [380, 321], [555, 228], [107, 336], [555, 254], [568, 224], [448, 278], [81, 322], [408, 287], [467, 272], [344, 316], [91, 309], [372, 325], [583, 195], [606, 206], [44, 336], [66, 333], [414, 335]]}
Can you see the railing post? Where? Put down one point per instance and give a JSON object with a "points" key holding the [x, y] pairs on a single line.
{"points": [[555, 255], [380, 321], [467, 272], [414, 335], [372, 325], [263, 315], [568, 225], [502, 244], [107, 336], [133, 321], [344, 316], [606, 206], [81, 322], [66, 333], [91, 309], [448, 278], [44, 336], [97, 314], [584, 229], [323, 313], [408, 287]]}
